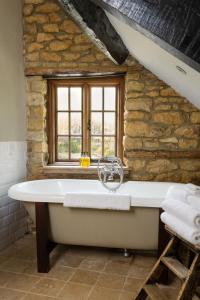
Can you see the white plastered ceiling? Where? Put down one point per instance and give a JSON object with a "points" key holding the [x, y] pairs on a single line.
{"points": [[159, 61]]}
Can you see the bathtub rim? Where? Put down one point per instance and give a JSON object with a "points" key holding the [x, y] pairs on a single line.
{"points": [[17, 193]]}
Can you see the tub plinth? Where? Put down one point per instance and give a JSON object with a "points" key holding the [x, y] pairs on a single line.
{"points": [[44, 246]]}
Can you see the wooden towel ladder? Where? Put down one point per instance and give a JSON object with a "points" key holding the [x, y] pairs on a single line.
{"points": [[187, 270]]}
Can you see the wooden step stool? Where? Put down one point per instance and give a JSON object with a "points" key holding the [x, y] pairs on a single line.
{"points": [[186, 269]]}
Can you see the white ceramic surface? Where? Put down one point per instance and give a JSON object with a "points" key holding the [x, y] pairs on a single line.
{"points": [[143, 194]]}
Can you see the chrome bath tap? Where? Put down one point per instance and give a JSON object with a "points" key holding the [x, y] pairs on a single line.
{"points": [[108, 170]]}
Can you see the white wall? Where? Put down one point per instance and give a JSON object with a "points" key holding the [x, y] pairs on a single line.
{"points": [[12, 121], [12, 91], [160, 62]]}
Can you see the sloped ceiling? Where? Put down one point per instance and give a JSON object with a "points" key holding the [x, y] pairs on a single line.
{"points": [[166, 66], [163, 35], [173, 24]]}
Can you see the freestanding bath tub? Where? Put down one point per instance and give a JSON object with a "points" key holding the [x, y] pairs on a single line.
{"points": [[134, 229]]}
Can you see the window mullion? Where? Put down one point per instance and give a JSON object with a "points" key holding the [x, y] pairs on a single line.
{"points": [[103, 102], [69, 121], [86, 119]]}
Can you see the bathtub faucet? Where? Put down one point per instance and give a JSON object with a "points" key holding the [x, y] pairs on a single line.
{"points": [[110, 169]]}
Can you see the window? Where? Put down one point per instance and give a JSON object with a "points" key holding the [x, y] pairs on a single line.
{"points": [[85, 115]]}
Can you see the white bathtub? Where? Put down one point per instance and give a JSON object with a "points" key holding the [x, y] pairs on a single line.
{"points": [[134, 229]]}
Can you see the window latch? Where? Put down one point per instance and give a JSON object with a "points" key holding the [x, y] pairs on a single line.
{"points": [[89, 125]]}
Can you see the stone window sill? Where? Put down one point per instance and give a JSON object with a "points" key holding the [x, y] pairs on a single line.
{"points": [[74, 169]]}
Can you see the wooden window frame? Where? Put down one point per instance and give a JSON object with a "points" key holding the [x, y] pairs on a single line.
{"points": [[86, 83]]}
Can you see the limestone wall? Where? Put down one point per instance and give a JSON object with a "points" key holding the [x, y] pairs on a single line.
{"points": [[162, 129]]}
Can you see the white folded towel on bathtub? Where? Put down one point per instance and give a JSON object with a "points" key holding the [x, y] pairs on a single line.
{"points": [[183, 211], [189, 233], [99, 201]]}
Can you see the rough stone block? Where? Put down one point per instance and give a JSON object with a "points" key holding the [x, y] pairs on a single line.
{"points": [[188, 144], [143, 104], [168, 92], [33, 1], [34, 47], [171, 118], [70, 27], [135, 86], [161, 165], [35, 124], [50, 57], [39, 86], [28, 9], [40, 19], [51, 28], [195, 117], [44, 37], [190, 165], [34, 56], [59, 45], [137, 129], [132, 143], [47, 8]]}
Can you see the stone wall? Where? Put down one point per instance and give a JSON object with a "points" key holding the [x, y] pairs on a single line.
{"points": [[162, 129]]}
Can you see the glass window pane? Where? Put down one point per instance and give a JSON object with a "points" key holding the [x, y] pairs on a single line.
{"points": [[75, 144], [109, 146], [62, 98], [96, 147], [96, 123], [76, 123], [62, 123], [109, 123], [96, 98], [110, 98], [63, 148], [76, 98]]}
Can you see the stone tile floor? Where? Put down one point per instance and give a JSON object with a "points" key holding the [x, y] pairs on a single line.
{"points": [[77, 273]]}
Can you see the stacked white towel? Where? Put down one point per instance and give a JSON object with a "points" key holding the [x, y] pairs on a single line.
{"points": [[182, 211]]}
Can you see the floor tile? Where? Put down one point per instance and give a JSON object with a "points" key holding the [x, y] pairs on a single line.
{"points": [[126, 296], [22, 282], [93, 264], [138, 272], [144, 261], [60, 272], [37, 297], [6, 294], [73, 291], [5, 277], [117, 267], [99, 293], [3, 259], [29, 240], [27, 253], [133, 285], [15, 265], [85, 277], [48, 287], [71, 261], [111, 281], [171, 293], [10, 251], [31, 269]]}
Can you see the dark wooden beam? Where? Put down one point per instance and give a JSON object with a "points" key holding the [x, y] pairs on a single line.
{"points": [[94, 22], [172, 24]]}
